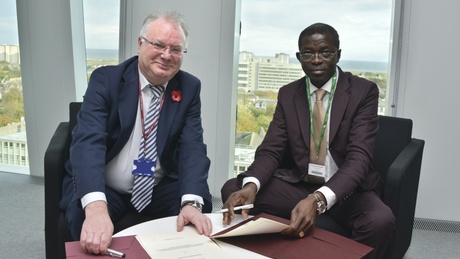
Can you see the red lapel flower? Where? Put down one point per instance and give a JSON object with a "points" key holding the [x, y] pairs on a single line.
{"points": [[176, 96]]}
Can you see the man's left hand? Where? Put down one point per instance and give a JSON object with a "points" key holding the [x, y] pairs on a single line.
{"points": [[302, 218], [190, 214]]}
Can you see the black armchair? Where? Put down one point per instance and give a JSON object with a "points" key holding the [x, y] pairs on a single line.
{"points": [[398, 158], [56, 230]]}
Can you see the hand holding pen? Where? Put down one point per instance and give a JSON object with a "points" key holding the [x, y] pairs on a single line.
{"points": [[243, 207], [244, 196]]}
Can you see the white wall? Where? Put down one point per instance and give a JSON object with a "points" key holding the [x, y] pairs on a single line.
{"points": [[429, 79]]}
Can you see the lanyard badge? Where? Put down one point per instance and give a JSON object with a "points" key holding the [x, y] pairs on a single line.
{"points": [[144, 167], [326, 118]]}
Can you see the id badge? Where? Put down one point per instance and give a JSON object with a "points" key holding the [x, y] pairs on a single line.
{"points": [[317, 170], [144, 167]]}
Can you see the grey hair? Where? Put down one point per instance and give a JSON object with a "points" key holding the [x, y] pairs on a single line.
{"points": [[171, 16]]}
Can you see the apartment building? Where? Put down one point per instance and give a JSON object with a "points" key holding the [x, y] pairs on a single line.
{"points": [[14, 155], [266, 73], [10, 53]]}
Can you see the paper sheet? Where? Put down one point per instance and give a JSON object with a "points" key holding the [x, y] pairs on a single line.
{"points": [[176, 245], [259, 226]]}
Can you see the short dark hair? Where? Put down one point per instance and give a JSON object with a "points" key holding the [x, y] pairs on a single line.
{"points": [[320, 28]]}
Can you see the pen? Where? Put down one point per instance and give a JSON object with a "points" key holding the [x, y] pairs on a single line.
{"points": [[114, 253], [248, 206]]}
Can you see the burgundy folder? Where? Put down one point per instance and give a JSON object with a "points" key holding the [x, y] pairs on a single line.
{"points": [[127, 244], [318, 244]]}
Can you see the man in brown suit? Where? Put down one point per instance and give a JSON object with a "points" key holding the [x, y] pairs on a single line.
{"points": [[285, 180]]}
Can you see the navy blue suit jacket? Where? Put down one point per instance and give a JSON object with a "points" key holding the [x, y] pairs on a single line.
{"points": [[107, 118]]}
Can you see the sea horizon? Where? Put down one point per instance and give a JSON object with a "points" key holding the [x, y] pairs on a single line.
{"points": [[346, 65]]}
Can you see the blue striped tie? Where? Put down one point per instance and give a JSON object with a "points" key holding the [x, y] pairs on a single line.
{"points": [[143, 185]]}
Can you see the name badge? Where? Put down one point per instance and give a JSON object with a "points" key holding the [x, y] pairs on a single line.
{"points": [[144, 167], [317, 170]]}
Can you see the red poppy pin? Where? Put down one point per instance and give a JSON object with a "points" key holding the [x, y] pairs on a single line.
{"points": [[176, 96]]}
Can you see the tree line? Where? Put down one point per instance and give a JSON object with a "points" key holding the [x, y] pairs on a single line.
{"points": [[11, 99], [251, 118]]}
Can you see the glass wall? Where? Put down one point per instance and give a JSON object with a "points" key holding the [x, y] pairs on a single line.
{"points": [[13, 139], [101, 20], [102, 26], [267, 61]]}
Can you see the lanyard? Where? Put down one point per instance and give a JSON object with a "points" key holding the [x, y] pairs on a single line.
{"points": [[326, 117], [154, 123]]}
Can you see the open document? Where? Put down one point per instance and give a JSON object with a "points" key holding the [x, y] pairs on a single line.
{"points": [[185, 244], [261, 234], [189, 244]]}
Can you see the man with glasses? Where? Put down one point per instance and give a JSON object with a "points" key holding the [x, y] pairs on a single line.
{"points": [[138, 145], [311, 163]]}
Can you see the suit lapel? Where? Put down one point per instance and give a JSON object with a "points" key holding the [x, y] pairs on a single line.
{"points": [[128, 97], [303, 111], [167, 114], [339, 104], [128, 100]]}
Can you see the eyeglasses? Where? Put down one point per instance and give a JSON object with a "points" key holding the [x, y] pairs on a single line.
{"points": [[160, 47], [308, 56]]}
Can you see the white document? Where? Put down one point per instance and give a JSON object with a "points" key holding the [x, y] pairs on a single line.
{"points": [[185, 244]]}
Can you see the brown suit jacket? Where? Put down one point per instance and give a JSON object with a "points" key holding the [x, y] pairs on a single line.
{"points": [[284, 153]]}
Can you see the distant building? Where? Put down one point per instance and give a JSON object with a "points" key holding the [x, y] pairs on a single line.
{"points": [[266, 73], [10, 54], [13, 147], [260, 74], [243, 159], [263, 103], [246, 144]]}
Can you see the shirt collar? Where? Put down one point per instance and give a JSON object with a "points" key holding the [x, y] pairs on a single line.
{"points": [[145, 83], [327, 86]]}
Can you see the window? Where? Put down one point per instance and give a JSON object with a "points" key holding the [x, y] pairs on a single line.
{"points": [[102, 22], [102, 32], [12, 124], [267, 61]]}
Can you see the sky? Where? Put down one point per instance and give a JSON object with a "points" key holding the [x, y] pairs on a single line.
{"points": [[8, 22], [268, 27]]}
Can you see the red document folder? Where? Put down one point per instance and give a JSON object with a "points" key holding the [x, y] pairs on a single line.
{"points": [[128, 245], [319, 244]]}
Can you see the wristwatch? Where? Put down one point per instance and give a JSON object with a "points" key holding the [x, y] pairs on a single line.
{"points": [[320, 204], [195, 204]]}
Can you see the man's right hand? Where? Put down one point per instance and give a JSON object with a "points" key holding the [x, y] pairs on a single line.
{"points": [[247, 195], [97, 229]]}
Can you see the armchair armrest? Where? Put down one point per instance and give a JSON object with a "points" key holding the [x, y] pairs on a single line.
{"points": [[401, 186], [55, 156]]}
